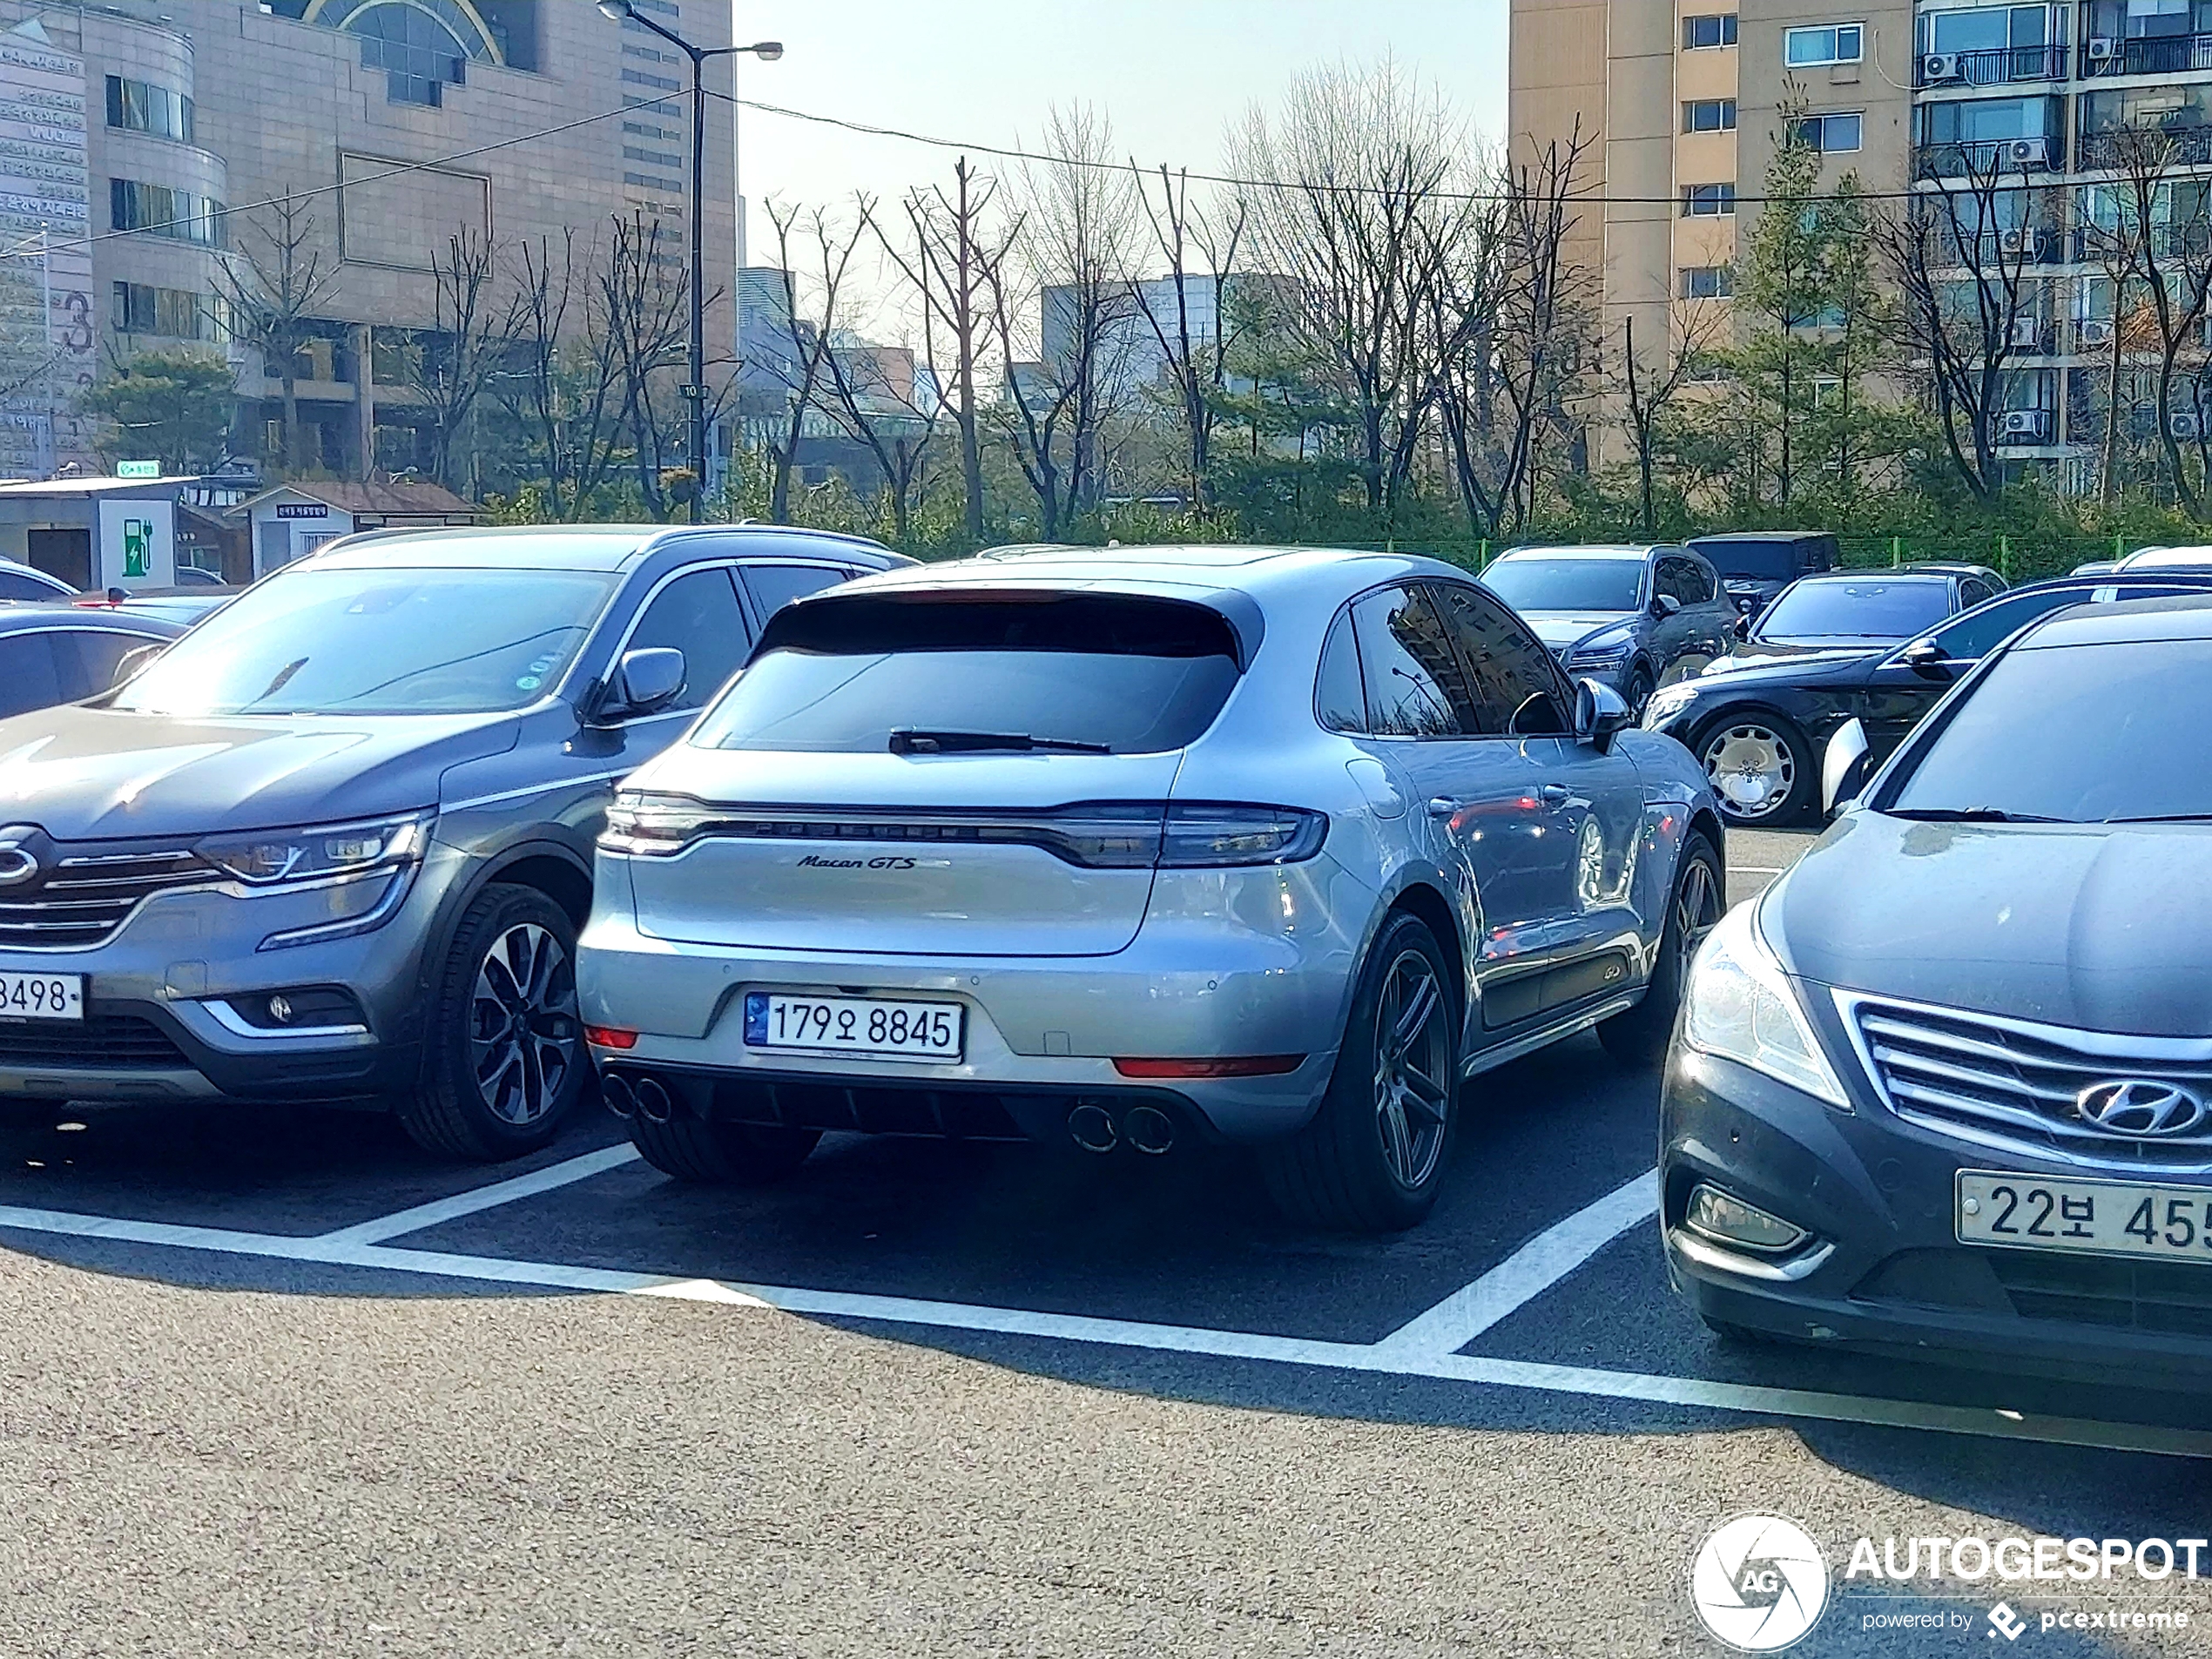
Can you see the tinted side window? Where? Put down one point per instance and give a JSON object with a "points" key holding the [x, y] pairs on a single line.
{"points": [[1972, 594], [1699, 586], [85, 659], [1513, 678], [1340, 700], [1415, 686], [27, 677], [774, 586], [697, 615], [13, 586]]}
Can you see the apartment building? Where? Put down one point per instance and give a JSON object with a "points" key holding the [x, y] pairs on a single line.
{"points": [[1682, 103], [138, 141]]}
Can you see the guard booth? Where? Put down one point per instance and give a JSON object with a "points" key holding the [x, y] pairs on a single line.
{"points": [[292, 520]]}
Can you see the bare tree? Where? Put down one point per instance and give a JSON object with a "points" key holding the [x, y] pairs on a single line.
{"points": [[643, 305], [273, 293], [1365, 231], [1962, 289], [450, 364], [1652, 386], [563, 384], [951, 256], [809, 340], [876, 396], [1200, 250]]}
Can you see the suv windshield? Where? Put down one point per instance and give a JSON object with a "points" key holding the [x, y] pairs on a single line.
{"points": [[382, 641], [2080, 735], [1878, 608], [1757, 560], [1132, 674], [1565, 585]]}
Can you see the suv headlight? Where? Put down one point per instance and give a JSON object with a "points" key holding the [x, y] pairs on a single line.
{"points": [[1609, 654], [288, 858], [1740, 1005]]}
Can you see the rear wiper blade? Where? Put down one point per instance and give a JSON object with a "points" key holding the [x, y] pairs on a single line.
{"points": [[1969, 815], [914, 740]]}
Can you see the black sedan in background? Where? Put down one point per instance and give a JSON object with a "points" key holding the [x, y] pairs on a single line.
{"points": [[1758, 727], [1854, 610], [1946, 1086], [60, 653]]}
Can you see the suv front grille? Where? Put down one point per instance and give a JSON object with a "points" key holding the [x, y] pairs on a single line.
{"points": [[2013, 1084], [82, 894], [102, 1043]]}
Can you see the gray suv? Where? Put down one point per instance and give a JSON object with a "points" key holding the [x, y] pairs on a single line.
{"points": [[336, 843]]}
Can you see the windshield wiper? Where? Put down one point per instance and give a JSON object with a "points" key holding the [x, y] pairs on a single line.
{"points": [[1969, 815], [914, 740], [2162, 818]]}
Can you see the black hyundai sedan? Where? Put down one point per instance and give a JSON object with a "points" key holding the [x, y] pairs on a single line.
{"points": [[1758, 727], [1946, 1086]]}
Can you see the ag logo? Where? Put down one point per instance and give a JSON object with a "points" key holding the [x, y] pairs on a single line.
{"points": [[1759, 1583]]}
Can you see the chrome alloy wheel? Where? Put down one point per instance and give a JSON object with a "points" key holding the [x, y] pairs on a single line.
{"points": [[1413, 1052], [524, 1032], [1697, 909], [1752, 768]]}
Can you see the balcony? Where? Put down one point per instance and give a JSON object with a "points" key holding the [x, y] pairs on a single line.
{"points": [[2000, 66], [2151, 55], [2190, 146], [1986, 156]]}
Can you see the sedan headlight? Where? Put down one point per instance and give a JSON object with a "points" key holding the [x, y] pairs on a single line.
{"points": [[1740, 1005], [1668, 702], [286, 858]]}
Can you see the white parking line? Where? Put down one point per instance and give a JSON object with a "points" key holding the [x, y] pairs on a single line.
{"points": [[1528, 1272], [489, 1197], [1994, 1421]]}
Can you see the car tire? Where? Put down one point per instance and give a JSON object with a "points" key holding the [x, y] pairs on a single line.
{"points": [[1699, 896], [1373, 1158], [1745, 743], [707, 1154], [1637, 693], [503, 1061]]}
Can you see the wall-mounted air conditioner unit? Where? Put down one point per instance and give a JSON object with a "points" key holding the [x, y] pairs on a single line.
{"points": [[2185, 425], [2028, 153], [2103, 48], [2027, 242], [2025, 424], [2027, 333], [2096, 332], [1941, 66]]}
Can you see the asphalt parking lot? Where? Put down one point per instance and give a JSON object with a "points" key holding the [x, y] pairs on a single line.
{"points": [[277, 1383]]}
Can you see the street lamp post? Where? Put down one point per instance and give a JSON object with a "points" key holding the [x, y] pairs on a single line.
{"points": [[695, 390]]}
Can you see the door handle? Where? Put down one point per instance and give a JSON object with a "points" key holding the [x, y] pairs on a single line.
{"points": [[1556, 794], [1442, 806]]}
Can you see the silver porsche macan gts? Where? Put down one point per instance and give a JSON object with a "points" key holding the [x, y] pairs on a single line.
{"points": [[1139, 846]]}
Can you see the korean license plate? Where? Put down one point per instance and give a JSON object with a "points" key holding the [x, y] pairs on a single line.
{"points": [[42, 996], [2100, 1217], [861, 1025]]}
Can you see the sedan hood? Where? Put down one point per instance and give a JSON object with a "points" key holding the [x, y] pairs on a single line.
{"points": [[1802, 668], [93, 774], [1753, 652], [2103, 929], [1560, 629]]}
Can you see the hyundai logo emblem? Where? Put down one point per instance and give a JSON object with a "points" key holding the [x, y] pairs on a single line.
{"points": [[16, 865], [2140, 1108]]}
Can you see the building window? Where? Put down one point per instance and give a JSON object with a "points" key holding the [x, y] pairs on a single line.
{"points": [[1704, 34], [159, 211], [173, 313], [642, 130], [658, 158], [140, 106], [1839, 43], [1709, 115], [1708, 281], [1708, 201], [420, 56], [638, 78], [1832, 135], [646, 181]]}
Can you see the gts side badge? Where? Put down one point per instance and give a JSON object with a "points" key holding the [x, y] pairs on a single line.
{"points": [[885, 861]]}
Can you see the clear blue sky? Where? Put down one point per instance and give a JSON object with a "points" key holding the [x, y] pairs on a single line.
{"points": [[1171, 74]]}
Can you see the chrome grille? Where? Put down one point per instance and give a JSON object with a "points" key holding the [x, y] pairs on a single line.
{"points": [[82, 894], [2013, 1083]]}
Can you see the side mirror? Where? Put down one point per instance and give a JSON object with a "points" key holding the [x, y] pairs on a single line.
{"points": [[1601, 714], [131, 662], [1664, 604], [1845, 767], [1925, 657], [642, 681], [1742, 629]]}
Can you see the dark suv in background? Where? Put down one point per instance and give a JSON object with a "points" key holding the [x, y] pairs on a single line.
{"points": [[1755, 565], [335, 842]]}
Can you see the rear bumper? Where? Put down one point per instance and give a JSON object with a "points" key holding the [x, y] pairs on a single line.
{"points": [[1042, 1033]]}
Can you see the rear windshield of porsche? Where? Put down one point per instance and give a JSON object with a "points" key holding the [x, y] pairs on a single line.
{"points": [[1129, 674]]}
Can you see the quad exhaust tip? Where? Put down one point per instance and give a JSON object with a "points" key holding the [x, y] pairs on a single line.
{"points": [[655, 1104], [1092, 1125]]}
